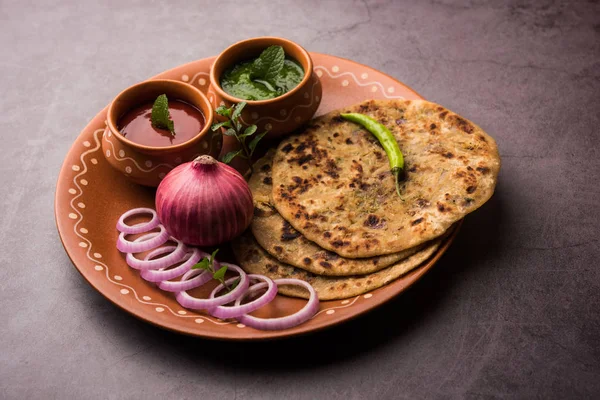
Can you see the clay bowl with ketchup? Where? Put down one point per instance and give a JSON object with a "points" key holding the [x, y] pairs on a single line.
{"points": [[280, 115], [144, 153]]}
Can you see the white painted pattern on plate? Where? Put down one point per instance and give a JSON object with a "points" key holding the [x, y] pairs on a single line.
{"points": [[375, 83], [191, 81], [138, 166]]}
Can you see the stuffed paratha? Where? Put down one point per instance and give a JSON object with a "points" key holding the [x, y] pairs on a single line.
{"points": [[255, 260], [333, 182], [282, 241]]}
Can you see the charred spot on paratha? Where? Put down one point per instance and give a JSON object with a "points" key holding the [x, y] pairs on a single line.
{"points": [[422, 203], [340, 243], [325, 264], [416, 221], [461, 124], [442, 207], [329, 255], [337, 119], [373, 221], [288, 232], [332, 169], [356, 166]]}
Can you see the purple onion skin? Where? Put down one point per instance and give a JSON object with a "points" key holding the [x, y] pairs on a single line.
{"points": [[204, 202]]}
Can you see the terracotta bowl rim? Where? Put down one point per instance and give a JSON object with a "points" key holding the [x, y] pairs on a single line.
{"points": [[276, 40], [112, 123]]}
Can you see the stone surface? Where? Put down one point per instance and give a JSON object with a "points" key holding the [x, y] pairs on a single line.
{"points": [[512, 310]]}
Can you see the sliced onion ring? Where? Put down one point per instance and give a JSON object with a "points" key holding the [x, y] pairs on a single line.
{"points": [[193, 303], [163, 274], [139, 245], [270, 324], [192, 279], [238, 309], [158, 263], [137, 228]]}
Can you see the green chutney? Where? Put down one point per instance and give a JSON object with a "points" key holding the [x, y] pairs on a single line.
{"points": [[239, 82]]}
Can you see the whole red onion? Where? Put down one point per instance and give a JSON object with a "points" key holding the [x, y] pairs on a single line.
{"points": [[204, 202]]}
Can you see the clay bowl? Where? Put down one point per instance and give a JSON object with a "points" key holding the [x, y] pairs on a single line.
{"points": [[147, 165], [283, 114]]}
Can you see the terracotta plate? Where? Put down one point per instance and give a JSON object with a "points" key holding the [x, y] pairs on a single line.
{"points": [[90, 196]]}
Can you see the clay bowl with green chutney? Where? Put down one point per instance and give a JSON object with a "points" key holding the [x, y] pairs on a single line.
{"points": [[275, 78]]}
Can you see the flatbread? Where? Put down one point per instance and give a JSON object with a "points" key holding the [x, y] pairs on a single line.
{"points": [[282, 241], [255, 260], [333, 181]]}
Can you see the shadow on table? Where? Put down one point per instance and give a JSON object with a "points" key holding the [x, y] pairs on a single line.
{"points": [[478, 241]]}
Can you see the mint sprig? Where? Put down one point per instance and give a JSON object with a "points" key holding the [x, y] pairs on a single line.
{"points": [[208, 264], [268, 65], [233, 127], [160, 117]]}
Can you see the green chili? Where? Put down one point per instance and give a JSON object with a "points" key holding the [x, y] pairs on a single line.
{"points": [[387, 140]]}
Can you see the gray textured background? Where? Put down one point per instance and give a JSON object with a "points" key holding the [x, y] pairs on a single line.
{"points": [[511, 311]]}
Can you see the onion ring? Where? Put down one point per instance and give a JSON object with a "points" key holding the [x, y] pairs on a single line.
{"points": [[289, 321], [163, 274], [163, 262], [137, 228], [139, 245], [193, 303], [235, 311], [192, 279]]}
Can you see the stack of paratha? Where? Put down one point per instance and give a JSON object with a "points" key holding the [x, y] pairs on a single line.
{"points": [[326, 206]]}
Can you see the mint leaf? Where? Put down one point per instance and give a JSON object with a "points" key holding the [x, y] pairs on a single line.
{"points": [[267, 84], [204, 264], [230, 156], [234, 284], [213, 256], [230, 132], [255, 141], [249, 131], [226, 124], [270, 62], [160, 117], [224, 111], [220, 274], [237, 111]]}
